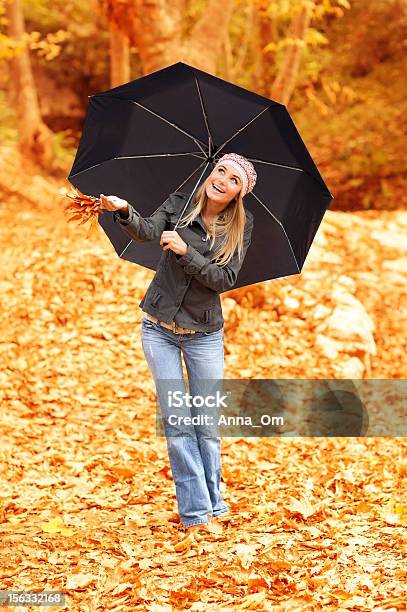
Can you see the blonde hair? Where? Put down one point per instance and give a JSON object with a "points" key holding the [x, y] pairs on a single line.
{"points": [[229, 223]]}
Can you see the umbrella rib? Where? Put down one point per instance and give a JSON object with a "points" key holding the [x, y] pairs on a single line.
{"points": [[280, 224], [193, 153], [177, 189], [174, 125], [136, 157], [210, 141], [241, 129], [261, 161]]}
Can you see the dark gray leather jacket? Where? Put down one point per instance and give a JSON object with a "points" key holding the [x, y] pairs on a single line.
{"points": [[185, 289]]}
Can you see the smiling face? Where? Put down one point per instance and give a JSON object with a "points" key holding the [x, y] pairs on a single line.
{"points": [[226, 179]]}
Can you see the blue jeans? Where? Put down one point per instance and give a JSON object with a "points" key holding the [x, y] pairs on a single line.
{"points": [[195, 455]]}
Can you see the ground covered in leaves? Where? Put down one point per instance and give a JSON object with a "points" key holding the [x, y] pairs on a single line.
{"points": [[87, 493]]}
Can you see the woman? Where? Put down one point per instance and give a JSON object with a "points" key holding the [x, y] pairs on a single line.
{"points": [[183, 314]]}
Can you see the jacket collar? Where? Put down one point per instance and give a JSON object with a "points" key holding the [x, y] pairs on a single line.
{"points": [[198, 219]]}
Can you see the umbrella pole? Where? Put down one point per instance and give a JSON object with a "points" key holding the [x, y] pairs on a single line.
{"points": [[190, 197], [167, 253]]}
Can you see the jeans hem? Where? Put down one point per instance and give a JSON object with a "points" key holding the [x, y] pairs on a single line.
{"points": [[221, 512], [197, 522]]}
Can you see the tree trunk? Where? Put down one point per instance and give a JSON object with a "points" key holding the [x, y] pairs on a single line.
{"points": [[155, 27], [119, 57], [244, 44], [233, 67], [207, 37], [264, 61], [284, 84], [35, 138]]}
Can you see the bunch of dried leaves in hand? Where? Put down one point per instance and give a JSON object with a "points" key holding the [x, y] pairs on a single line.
{"points": [[83, 208]]}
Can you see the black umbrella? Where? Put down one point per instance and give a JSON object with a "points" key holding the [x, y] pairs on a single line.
{"points": [[164, 132]]}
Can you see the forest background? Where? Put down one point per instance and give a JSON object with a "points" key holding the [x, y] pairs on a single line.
{"points": [[337, 65]]}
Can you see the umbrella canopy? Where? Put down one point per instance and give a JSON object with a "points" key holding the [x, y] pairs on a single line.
{"points": [[164, 132]]}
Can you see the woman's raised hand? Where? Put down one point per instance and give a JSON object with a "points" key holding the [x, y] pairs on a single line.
{"points": [[113, 203]]}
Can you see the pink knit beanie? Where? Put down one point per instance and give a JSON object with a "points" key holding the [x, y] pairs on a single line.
{"points": [[244, 168]]}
